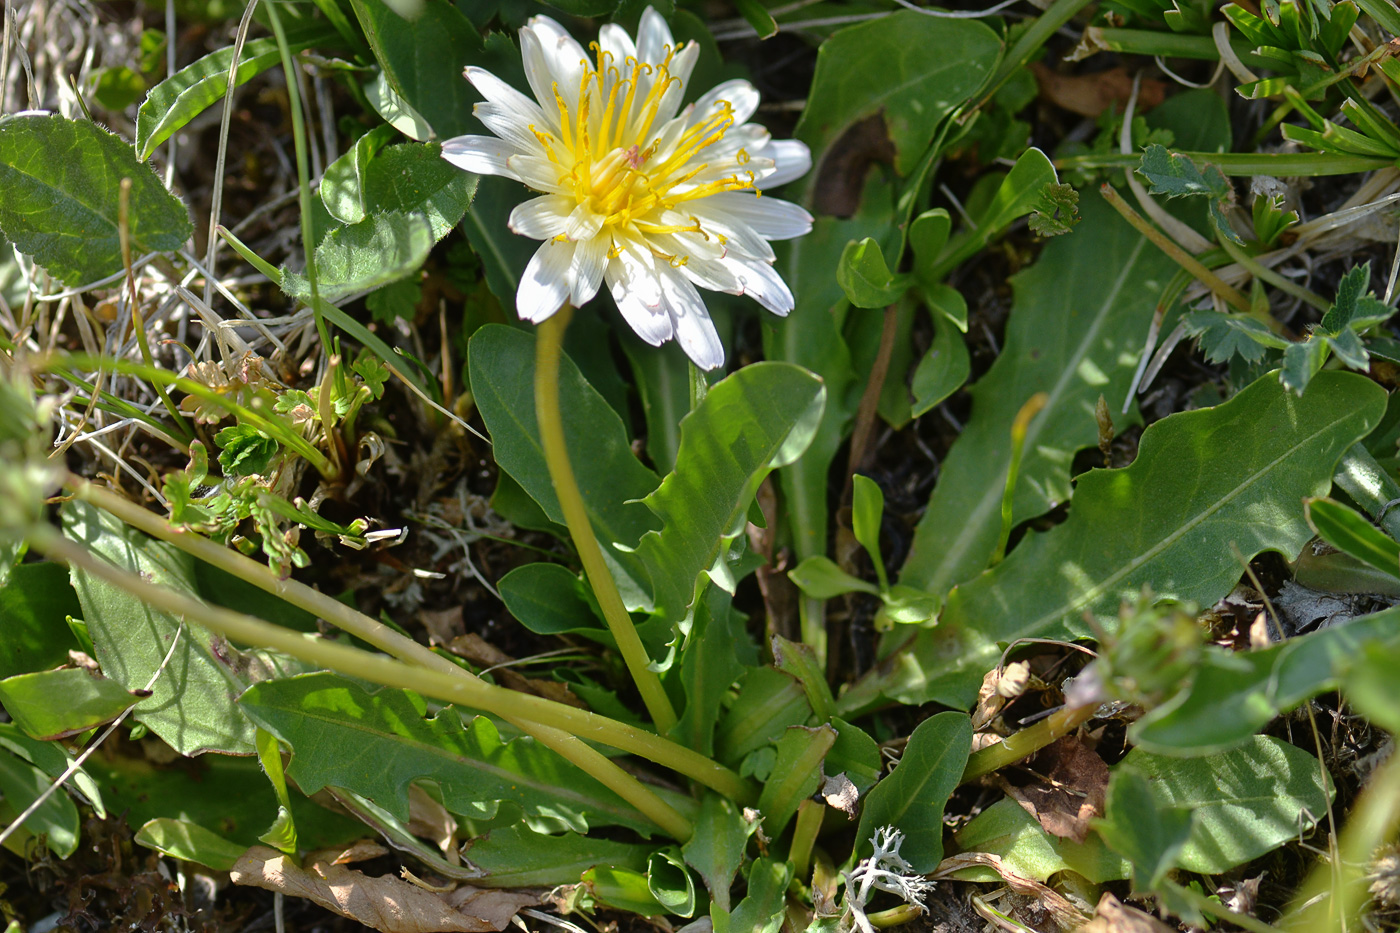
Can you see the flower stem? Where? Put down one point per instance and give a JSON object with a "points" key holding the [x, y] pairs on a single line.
{"points": [[1029, 740], [895, 916], [455, 686], [804, 836], [698, 386], [549, 341], [488, 697]]}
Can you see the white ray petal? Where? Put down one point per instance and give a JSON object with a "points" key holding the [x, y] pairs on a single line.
{"points": [[484, 155], [742, 96], [506, 124], [740, 238], [793, 160], [564, 57], [684, 62], [507, 98], [653, 35], [541, 218], [586, 271], [690, 320], [770, 218], [540, 174], [613, 38], [544, 286], [762, 283], [637, 274], [538, 75], [713, 274], [584, 223]]}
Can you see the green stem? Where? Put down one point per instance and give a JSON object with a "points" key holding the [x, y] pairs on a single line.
{"points": [[1265, 274], [138, 320], [895, 916], [514, 707], [1029, 740], [1170, 45], [1019, 426], [367, 337], [698, 386], [308, 244], [273, 428], [448, 683], [811, 619], [549, 339], [1281, 164], [1184, 259]]}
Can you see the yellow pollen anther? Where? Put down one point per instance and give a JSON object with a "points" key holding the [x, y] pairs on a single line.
{"points": [[611, 159]]}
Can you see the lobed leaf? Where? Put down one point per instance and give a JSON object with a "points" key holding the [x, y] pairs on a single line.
{"points": [[1246, 801], [1144, 831], [1233, 695], [34, 601], [56, 818], [1074, 344], [377, 744], [716, 851], [380, 249], [516, 857], [56, 704], [187, 93], [1209, 488], [423, 59]]}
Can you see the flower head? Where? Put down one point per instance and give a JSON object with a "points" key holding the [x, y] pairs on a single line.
{"points": [[636, 192]]}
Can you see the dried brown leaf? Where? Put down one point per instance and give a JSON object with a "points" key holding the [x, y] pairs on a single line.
{"points": [[443, 625], [1069, 790], [989, 702], [386, 903], [362, 850], [840, 793], [479, 651], [1113, 916], [1065, 914], [1091, 94]]}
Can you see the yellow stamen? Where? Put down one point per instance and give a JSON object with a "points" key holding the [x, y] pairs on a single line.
{"points": [[611, 163]]}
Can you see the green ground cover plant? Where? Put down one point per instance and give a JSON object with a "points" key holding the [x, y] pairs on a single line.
{"points": [[819, 467]]}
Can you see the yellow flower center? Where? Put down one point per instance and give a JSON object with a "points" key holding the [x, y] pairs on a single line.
{"points": [[599, 150]]}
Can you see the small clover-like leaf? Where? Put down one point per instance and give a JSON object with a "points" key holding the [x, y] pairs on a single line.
{"points": [[1057, 211], [373, 371], [246, 450]]}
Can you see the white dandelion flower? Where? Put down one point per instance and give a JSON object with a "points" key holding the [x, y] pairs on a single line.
{"points": [[634, 191]]}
